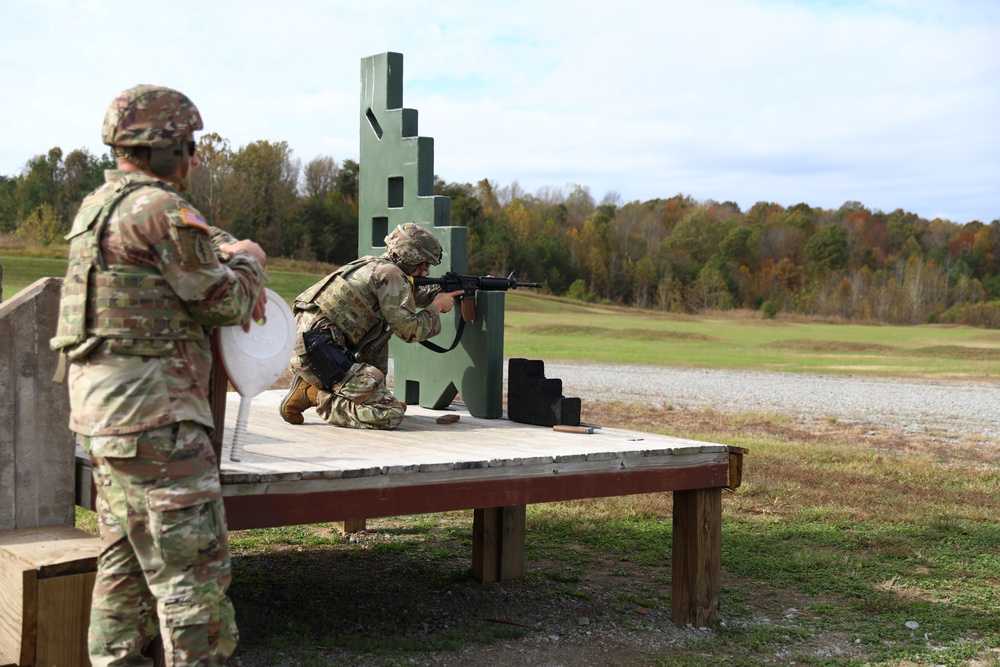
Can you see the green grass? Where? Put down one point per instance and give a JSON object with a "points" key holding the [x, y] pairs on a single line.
{"points": [[544, 327], [21, 271], [540, 327]]}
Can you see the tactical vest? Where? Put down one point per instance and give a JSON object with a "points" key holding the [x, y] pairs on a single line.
{"points": [[126, 302], [348, 304]]}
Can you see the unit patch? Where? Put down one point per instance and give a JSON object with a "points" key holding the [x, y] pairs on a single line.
{"points": [[193, 219], [196, 247]]}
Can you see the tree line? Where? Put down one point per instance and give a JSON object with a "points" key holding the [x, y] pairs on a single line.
{"points": [[675, 254]]}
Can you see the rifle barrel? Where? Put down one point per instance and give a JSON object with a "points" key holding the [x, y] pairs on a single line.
{"points": [[486, 283]]}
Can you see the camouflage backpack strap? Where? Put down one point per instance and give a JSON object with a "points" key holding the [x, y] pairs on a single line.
{"points": [[350, 303], [309, 296], [343, 301], [85, 256]]}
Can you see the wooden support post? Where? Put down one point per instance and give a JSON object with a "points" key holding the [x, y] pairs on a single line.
{"points": [[498, 543], [350, 526], [697, 557]]}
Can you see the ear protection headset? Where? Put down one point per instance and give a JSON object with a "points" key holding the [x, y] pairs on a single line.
{"points": [[166, 154]]}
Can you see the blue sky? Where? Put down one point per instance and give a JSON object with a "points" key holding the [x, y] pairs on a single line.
{"points": [[892, 103]]}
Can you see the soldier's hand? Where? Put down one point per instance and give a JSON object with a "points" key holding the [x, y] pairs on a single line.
{"points": [[445, 301], [246, 245], [259, 308]]}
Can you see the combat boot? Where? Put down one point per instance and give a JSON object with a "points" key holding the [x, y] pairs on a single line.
{"points": [[300, 397]]}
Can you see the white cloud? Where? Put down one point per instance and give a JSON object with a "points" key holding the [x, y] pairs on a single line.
{"points": [[889, 102]]}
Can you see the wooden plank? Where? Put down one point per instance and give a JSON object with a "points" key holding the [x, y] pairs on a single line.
{"points": [[485, 540], [697, 557], [374, 478], [52, 550], [261, 482], [19, 602], [8, 453], [36, 470], [512, 530], [498, 543], [735, 469], [46, 578], [63, 619], [274, 446], [261, 510]]}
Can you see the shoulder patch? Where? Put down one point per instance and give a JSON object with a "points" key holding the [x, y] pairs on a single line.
{"points": [[193, 219]]}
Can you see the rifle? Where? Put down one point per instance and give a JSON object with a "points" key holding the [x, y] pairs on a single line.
{"points": [[452, 282]]}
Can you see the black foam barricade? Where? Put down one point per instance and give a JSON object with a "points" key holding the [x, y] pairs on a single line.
{"points": [[534, 399]]}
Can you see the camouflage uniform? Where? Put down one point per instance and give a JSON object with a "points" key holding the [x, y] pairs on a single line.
{"points": [[357, 303], [144, 286]]}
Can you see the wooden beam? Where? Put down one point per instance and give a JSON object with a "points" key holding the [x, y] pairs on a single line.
{"points": [[736, 466], [512, 528], [46, 579], [498, 543], [697, 557], [485, 540], [264, 510], [350, 526]]}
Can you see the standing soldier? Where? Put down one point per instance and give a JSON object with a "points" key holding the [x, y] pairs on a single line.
{"points": [[147, 280], [354, 306]]}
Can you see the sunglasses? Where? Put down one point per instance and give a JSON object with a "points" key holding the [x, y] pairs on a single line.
{"points": [[192, 145]]}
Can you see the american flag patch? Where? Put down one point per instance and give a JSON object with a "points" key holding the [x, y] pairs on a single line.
{"points": [[193, 219]]}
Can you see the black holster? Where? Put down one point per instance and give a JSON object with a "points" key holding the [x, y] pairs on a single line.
{"points": [[329, 363]]}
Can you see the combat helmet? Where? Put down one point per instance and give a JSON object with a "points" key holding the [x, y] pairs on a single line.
{"points": [[410, 244], [154, 117]]}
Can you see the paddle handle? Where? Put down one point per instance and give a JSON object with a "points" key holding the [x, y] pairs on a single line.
{"points": [[239, 434], [572, 429]]}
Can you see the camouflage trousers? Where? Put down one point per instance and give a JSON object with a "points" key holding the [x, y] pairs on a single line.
{"points": [[164, 566], [360, 400]]}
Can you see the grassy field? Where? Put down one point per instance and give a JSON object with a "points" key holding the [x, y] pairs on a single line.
{"points": [[544, 327], [540, 327], [846, 546]]}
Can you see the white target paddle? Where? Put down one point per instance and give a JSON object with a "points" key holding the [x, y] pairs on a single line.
{"points": [[255, 359]]}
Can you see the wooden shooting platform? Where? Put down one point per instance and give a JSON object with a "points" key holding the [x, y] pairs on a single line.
{"points": [[315, 472]]}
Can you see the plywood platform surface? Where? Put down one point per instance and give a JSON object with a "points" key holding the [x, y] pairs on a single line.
{"points": [[276, 451]]}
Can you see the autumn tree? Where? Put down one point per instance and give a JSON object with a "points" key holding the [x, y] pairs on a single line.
{"points": [[828, 248], [81, 174], [265, 177], [213, 188], [8, 204], [40, 184]]}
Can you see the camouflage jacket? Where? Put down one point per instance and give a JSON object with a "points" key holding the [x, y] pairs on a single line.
{"points": [[131, 383], [363, 297]]}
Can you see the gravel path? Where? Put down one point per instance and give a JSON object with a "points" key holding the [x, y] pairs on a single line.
{"points": [[952, 409]]}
